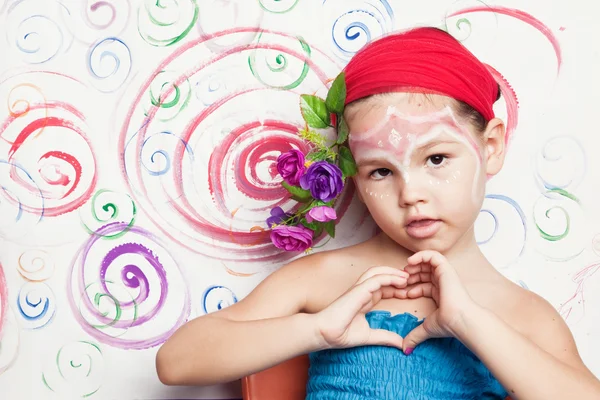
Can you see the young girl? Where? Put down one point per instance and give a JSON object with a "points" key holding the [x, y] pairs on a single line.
{"points": [[417, 312]]}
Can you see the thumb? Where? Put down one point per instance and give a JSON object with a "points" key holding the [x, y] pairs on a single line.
{"points": [[414, 338], [384, 337]]}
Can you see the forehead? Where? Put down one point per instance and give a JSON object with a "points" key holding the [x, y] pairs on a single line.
{"points": [[403, 123], [420, 108]]}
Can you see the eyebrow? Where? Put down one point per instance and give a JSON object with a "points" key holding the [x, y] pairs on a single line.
{"points": [[435, 143], [371, 161], [379, 160], [368, 161]]}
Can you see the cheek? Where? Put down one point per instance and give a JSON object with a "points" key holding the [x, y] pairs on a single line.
{"points": [[477, 178], [463, 191], [374, 194]]}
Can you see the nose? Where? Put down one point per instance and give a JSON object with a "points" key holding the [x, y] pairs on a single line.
{"points": [[412, 191]]}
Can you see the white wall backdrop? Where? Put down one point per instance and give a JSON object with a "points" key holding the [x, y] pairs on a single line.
{"points": [[137, 149]]}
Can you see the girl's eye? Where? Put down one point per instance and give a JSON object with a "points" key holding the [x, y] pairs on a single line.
{"points": [[380, 173], [436, 160]]}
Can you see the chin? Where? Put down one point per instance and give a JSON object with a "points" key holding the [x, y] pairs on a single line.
{"points": [[438, 245], [415, 245]]}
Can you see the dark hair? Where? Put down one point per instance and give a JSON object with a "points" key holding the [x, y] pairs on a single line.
{"points": [[473, 116]]}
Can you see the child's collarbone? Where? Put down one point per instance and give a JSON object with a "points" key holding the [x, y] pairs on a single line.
{"points": [[420, 307]]}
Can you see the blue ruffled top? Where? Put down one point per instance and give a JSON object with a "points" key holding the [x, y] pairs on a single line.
{"points": [[438, 369]]}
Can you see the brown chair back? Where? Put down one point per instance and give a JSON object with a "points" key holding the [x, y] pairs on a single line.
{"points": [[283, 381]]}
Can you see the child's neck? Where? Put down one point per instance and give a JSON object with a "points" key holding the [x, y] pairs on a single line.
{"points": [[467, 258], [465, 255]]}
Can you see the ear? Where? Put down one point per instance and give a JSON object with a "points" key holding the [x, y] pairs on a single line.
{"points": [[493, 142]]}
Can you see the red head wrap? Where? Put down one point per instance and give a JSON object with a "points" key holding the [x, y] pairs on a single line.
{"points": [[426, 60]]}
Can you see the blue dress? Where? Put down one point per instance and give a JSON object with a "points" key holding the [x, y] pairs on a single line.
{"points": [[438, 369]]}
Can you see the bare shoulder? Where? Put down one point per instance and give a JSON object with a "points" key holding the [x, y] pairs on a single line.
{"points": [[526, 311], [295, 287], [541, 322], [334, 272], [545, 327]]}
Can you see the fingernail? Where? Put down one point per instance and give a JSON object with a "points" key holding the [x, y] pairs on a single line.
{"points": [[408, 351]]}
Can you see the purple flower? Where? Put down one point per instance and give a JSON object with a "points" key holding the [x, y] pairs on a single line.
{"points": [[291, 238], [324, 180], [290, 166], [277, 216], [321, 214]]}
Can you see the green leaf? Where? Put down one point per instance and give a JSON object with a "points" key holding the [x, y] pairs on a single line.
{"points": [[336, 96], [316, 203], [330, 228], [318, 155], [314, 111], [319, 230], [347, 163], [314, 137], [300, 199], [297, 193], [315, 226], [303, 208], [342, 130], [311, 225]]}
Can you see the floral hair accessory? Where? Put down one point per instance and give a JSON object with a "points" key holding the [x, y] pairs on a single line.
{"points": [[317, 178]]}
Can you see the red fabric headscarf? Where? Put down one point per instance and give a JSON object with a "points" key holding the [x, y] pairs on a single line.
{"points": [[426, 60]]}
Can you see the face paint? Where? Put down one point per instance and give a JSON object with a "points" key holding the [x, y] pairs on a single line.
{"points": [[400, 138], [375, 194]]}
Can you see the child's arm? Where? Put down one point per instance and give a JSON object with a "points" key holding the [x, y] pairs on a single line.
{"points": [[261, 330], [529, 368], [543, 363], [211, 350], [267, 327]]}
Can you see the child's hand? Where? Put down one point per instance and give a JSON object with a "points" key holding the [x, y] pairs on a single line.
{"points": [[431, 275], [343, 323]]}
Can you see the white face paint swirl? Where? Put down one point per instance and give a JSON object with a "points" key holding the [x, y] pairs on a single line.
{"points": [[413, 144]]}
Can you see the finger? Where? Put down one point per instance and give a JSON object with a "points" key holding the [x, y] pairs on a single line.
{"points": [[414, 338], [389, 292], [401, 294], [420, 290], [379, 281], [421, 277], [377, 296], [413, 269], [435, 294], [427, 256], [384, 337], [417, 291], [379, 271], [363, 294]]}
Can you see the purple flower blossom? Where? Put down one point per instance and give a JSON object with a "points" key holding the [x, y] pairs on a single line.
{"points": [[292, 238], [321, 214], [290, 166], [324, 180], [277, 216]]}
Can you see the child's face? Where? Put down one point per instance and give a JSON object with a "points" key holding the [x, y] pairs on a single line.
{"points": [[416, 159]]}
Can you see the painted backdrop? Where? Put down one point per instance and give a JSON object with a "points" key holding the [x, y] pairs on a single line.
{"points": [[137, 149]]}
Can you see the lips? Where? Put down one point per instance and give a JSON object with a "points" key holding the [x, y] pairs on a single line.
{"points": [[422, 222], [422, 228]]}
